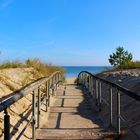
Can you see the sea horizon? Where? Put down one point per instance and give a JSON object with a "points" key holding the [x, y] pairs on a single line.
{"points": [[84, 66], [73, 71]]}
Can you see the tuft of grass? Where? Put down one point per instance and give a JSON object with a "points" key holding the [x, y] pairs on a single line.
{"points": [[43, 68], [12, 64]]}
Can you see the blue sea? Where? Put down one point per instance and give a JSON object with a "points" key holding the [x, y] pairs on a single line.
{"points": [[73, 71]]}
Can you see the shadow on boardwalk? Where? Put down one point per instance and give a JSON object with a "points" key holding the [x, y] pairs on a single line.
{"points": [[83, 108], [72, 116]]}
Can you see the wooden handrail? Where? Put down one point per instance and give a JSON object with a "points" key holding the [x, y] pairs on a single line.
{"points": [[24, 91], [30, 88], [86, 79], [126, 91]]}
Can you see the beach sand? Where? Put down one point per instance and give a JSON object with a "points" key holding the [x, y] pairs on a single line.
{"points": [[70, 80]]}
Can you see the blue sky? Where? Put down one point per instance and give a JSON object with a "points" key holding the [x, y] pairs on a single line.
{"points": [[69, 32]]}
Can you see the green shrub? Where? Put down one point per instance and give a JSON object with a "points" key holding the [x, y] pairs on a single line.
{"points": [[120, 58]]}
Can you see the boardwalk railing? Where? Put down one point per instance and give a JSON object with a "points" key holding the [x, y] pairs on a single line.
{"points": [[51, 82], [94, 85]]}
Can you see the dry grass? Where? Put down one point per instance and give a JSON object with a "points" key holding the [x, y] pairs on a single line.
{"points": [[12, 64], [42, 67]]}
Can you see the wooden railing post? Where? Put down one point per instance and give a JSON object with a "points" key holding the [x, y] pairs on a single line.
{"points": [[96, 93], [6, 125], [38, 113], [53, 86], [55, 83], [118, 113], [85, 80], [33, 116], [82, 78], [89, 83], [56, 80], [110, 106], [100, 95], [92, 86], [48, 93], [47, 96]]}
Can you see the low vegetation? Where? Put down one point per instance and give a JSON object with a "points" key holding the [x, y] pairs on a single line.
{"points": [[42, 67], [11, 64], [37, 64], [131, 65]]}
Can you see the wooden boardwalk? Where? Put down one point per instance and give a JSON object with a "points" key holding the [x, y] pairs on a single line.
{"points": [[71, 116]]}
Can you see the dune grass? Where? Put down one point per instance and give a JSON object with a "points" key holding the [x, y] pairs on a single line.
{"points": [[125, 66], [12, 64], [130, 65], [42, 67]]}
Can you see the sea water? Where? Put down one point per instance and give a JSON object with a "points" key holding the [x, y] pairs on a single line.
{"points": [[73, 71]]}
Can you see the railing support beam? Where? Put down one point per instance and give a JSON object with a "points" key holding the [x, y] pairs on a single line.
{"points": [[100, 95], [33, 116], [118, 113], [55, 84], [6, 125], [110, 106], [96, 93], [48, 93], [38, 113]]}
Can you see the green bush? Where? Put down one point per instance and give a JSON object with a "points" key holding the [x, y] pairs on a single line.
{"points": [[120, 58]]}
